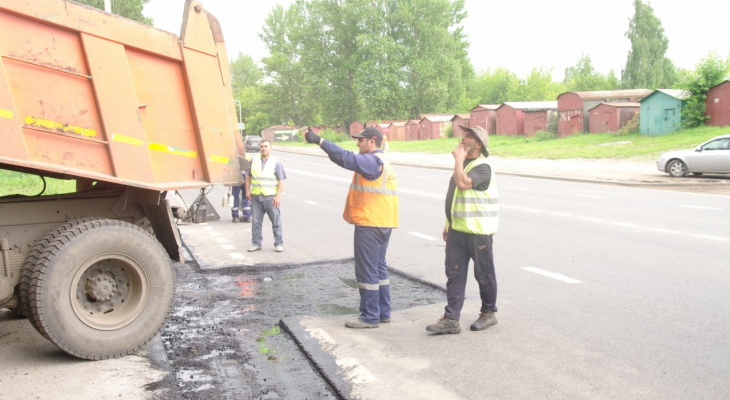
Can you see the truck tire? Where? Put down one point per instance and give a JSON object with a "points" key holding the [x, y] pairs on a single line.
{"points": [[30, 261], [99, 288]]}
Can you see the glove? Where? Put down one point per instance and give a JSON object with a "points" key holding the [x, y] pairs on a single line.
{"points": [[311, 137]]}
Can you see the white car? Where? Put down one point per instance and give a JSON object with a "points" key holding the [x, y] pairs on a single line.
{"points": [[712, 157]]}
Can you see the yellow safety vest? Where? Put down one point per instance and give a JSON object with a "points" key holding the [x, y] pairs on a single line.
{"points": [[263, 181], [476, 211], [373, 203]]}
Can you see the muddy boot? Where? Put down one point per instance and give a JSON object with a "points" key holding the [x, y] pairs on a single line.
{"points": [[485, 320], [445, 325]]}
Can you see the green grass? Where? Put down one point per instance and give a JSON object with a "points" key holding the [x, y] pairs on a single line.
{"points": [[587, 145], [12, 182], [604, 145]]}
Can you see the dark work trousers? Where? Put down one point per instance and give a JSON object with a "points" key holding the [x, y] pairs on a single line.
{"points": [[371, 272], [460, 248]]}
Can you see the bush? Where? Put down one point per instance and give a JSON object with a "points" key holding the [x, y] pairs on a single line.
{"points": [[632, 126], [542, 136], [332, 136]]}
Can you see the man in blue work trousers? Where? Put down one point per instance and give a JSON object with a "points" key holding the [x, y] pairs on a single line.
{"points": [[372, 206]]}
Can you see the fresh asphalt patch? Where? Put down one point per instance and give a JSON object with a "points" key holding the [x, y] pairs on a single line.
{"points": [[227, 337]]}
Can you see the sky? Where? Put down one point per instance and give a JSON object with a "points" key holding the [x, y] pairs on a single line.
{"points": [[517, 35]]}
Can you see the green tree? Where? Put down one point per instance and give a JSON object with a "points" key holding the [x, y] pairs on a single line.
{"points": [[709, 72], [131, 9], [282, 34], [539, 86], [647, 65], [583, 77], [494, 87]]}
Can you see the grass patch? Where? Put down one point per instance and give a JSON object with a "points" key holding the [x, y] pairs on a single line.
{"points": [[12, 183], [588, 145]]}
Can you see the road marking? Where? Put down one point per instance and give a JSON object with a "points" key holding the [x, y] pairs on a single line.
{"points": [[553, 275], [221, 240], [422, 236], [211, 233], [633, 227], [314, 203], [704, 208], [207, 228], [321, 335], [709, 237], [354, 370], [236, 256], [228, 247], [592, 196]]}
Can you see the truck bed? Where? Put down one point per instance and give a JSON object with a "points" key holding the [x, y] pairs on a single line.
{"points": [[88, 94]]}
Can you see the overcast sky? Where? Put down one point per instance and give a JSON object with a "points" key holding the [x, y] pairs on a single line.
{"points": [[518, 35]]}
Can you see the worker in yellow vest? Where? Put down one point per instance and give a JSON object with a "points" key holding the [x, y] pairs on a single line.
{"points": [[372, 206], [265, 183], [472, 215]]}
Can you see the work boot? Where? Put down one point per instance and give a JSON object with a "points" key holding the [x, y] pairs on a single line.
{"points": [[445, 325], [254, 248], [234, 220], [360, 324], [485, 320], [244, 219]]}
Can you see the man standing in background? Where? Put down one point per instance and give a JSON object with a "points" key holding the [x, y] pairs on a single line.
{"points": [[265, 183]]}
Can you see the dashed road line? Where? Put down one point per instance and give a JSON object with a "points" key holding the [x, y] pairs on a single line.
{"points": [[422, 236], [553, 275]]}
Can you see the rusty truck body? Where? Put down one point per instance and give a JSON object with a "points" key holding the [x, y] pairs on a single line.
{"points": [[129, 112]]}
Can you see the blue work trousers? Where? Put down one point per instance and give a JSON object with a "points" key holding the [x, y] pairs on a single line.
{"points": [[460, 248], [371, 272], [240, 202], [261, 205]]}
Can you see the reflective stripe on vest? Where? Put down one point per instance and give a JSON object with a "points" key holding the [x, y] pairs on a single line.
{"points": [[373, 203], [476, 211], [263, 181]]}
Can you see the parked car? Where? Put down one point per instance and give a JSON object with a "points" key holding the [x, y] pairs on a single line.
{"points": [[251, 143], [712, 156]]}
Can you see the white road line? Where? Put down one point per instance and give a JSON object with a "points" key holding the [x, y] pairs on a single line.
{"points": [[228, 247], [321, 335], [236, 256], [354, 370], [704, 208], [592, 196], [211, 233], [664, 231], [207, 228], [314, 203], [553, 275], [722, 239], [221, 240], [422, 236]]}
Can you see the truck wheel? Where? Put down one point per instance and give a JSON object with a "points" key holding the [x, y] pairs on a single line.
{"points": [[30, 261], [99, 288]]}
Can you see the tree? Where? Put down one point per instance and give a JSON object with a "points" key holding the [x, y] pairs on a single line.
{"points": [[583, 77], [131, 9], [709, 72], [245, 73], [647, 65], [494, 87], [538, 86]]}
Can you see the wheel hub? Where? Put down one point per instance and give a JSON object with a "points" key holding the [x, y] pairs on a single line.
{"points": [[101, 286]]}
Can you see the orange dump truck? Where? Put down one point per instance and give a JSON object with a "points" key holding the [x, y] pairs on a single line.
{"points": [[129, 112]]}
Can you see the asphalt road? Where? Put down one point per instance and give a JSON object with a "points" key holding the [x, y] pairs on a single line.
{"points": [[605, 292]]}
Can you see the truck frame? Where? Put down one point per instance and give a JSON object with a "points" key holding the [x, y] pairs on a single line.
{"points": [[129, 112]]}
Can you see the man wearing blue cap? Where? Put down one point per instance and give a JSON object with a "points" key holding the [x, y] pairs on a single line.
{"points": [[372, 206]]}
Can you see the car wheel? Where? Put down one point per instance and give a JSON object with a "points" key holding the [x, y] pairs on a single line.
{"points": [[677, 168]]}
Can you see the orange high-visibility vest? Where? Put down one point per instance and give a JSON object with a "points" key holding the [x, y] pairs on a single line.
{"points": [[373, 203]]}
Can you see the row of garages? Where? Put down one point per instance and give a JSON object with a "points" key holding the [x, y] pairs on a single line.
{"points": [[577, 112]]}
